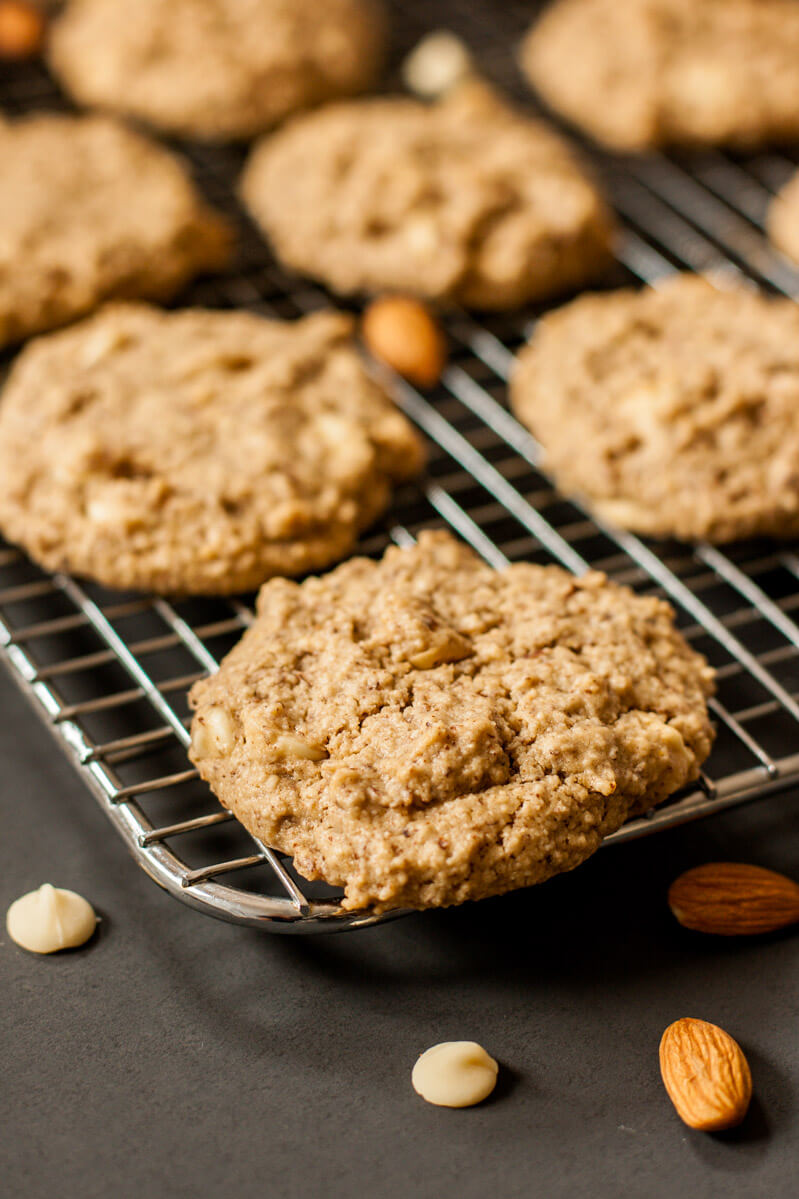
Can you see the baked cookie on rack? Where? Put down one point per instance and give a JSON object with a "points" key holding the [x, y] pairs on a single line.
{"points": [[90, 210], [196, 451], [216, 69], [673, 411], [782, 222], [425, 730], [464, 200], [643, 73]]}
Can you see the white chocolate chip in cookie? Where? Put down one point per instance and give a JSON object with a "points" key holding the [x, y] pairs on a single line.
{"points": [[104, 340], [455, 1074], [436, 64], [50, 919], [214, 733], [289, 746]]}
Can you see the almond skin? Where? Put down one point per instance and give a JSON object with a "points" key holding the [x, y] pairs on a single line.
{"points": [[732, 899], [705, 1074], [21, 29], [401, 332]]}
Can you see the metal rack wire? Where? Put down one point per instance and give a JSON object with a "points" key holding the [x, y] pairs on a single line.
{"points": [[109, 672]]}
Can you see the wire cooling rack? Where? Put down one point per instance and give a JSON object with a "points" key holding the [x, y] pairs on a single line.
{"points": [[109, 672]]}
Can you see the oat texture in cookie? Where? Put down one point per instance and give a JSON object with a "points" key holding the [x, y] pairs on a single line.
{"points": [[643, 73], [423, 730], [196, 451], [90, 210], [217, 69], [464, 200], [783, 219], [674, 411]]}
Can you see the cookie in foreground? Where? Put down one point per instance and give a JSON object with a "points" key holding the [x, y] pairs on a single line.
{"points": [[224, 70], [196, 451], [643, 73], [72, 233], [423, 730], [673, 411], [464, 200]]}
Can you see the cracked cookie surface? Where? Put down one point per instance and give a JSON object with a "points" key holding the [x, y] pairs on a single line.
{"points": [[196, 451], [464, 200], [216, 68], [70, 237], [674, 411], [425, 730], [643, 73]]}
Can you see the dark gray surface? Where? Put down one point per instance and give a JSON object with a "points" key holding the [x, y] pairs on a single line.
{"points": [[176, 1056]]}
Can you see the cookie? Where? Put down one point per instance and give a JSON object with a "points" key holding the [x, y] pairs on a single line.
{"points": [[783, 219], [425, 730], [91, 210], [674, 412], [216, 69], [646, 73], [464, 200], [196, 451]]}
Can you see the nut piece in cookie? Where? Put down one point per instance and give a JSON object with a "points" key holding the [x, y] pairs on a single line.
{"points": [[672, 411], [464, 200], [646, 73], [223, 70], [71, 237], [196, 451], [423, 730]]}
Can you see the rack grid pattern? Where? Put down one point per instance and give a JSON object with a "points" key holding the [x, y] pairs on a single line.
{"points": [[109, 672]]}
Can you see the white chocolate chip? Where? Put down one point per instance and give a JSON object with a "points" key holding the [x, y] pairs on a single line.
{"points": [[50, 919], [213, 734], [455, 1074], [103, 341], [438, 62], [288, 746]]}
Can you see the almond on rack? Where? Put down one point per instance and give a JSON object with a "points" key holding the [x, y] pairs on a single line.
{"points": [[21, 29], [705, 1074], [401, 332], [732, 899]]}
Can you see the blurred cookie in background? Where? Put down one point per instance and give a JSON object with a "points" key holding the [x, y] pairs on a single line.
{"points": [[90, 210], [464, 200], [227, 69], [673, 411], [196, 451], [634, 74]]}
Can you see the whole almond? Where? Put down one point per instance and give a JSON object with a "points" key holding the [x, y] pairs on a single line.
{"points": [[21, 29], [732, 899], [401, 332], [705, 1074]]}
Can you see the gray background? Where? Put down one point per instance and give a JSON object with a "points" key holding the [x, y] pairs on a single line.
{"points": [[178, 1056], [175, 1056]]}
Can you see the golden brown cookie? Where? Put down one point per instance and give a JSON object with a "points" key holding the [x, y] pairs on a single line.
{"points": [[196, 451], [91, 210], [464, 200], [673, 411], [640, 73], [216, 68], [425, 730]]}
